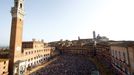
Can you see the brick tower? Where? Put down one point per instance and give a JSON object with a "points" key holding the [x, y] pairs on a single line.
{"points": [[17, 12]]}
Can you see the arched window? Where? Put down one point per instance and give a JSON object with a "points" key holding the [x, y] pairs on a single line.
{"points": [[124, 56], [20, 5], [16, 4], [119, 55]]}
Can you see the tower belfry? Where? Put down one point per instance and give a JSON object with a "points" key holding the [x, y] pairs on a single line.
{"points": [[18, 9], [17, 12]]}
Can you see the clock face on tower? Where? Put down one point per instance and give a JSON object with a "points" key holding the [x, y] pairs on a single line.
{"points": [[18, 48]]}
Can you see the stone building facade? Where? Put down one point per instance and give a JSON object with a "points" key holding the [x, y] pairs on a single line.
{"points": [[103, 53], [122, 54], [80, 46], [34, 53], [4, 66]]}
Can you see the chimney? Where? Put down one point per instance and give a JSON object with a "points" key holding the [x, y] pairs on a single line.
{"points": [[34, 39], [42, 41]]}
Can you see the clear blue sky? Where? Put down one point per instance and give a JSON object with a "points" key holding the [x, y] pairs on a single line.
{"points": [[67, 19]]}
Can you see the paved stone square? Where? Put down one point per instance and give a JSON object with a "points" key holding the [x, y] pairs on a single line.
{"points": [[68, 65]]}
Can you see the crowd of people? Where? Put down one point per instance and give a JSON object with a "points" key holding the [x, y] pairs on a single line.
{"points": [[68, 65]]}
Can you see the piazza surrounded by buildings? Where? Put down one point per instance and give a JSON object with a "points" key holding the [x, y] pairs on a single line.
{"points": [[65, 57], [68, 64]]}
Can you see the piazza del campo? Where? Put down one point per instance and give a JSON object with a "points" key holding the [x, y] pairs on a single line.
{"points": [[92, 56]]}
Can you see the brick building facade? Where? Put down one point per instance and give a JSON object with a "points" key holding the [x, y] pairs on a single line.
{"points": [[123, 57], [4, 66], [24, 55]]}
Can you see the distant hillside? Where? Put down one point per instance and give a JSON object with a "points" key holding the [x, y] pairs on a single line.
{"points": [[4, 46]]}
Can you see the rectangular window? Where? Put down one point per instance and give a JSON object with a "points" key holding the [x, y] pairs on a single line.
{"points": [[4, 67], [26, 53], [4, 62], [16, 4]]}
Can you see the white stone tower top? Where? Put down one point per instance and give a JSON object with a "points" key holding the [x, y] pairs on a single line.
{"points": [[18, 9]]}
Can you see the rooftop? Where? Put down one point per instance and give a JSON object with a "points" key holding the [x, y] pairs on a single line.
{"points": [[122, 43]]}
